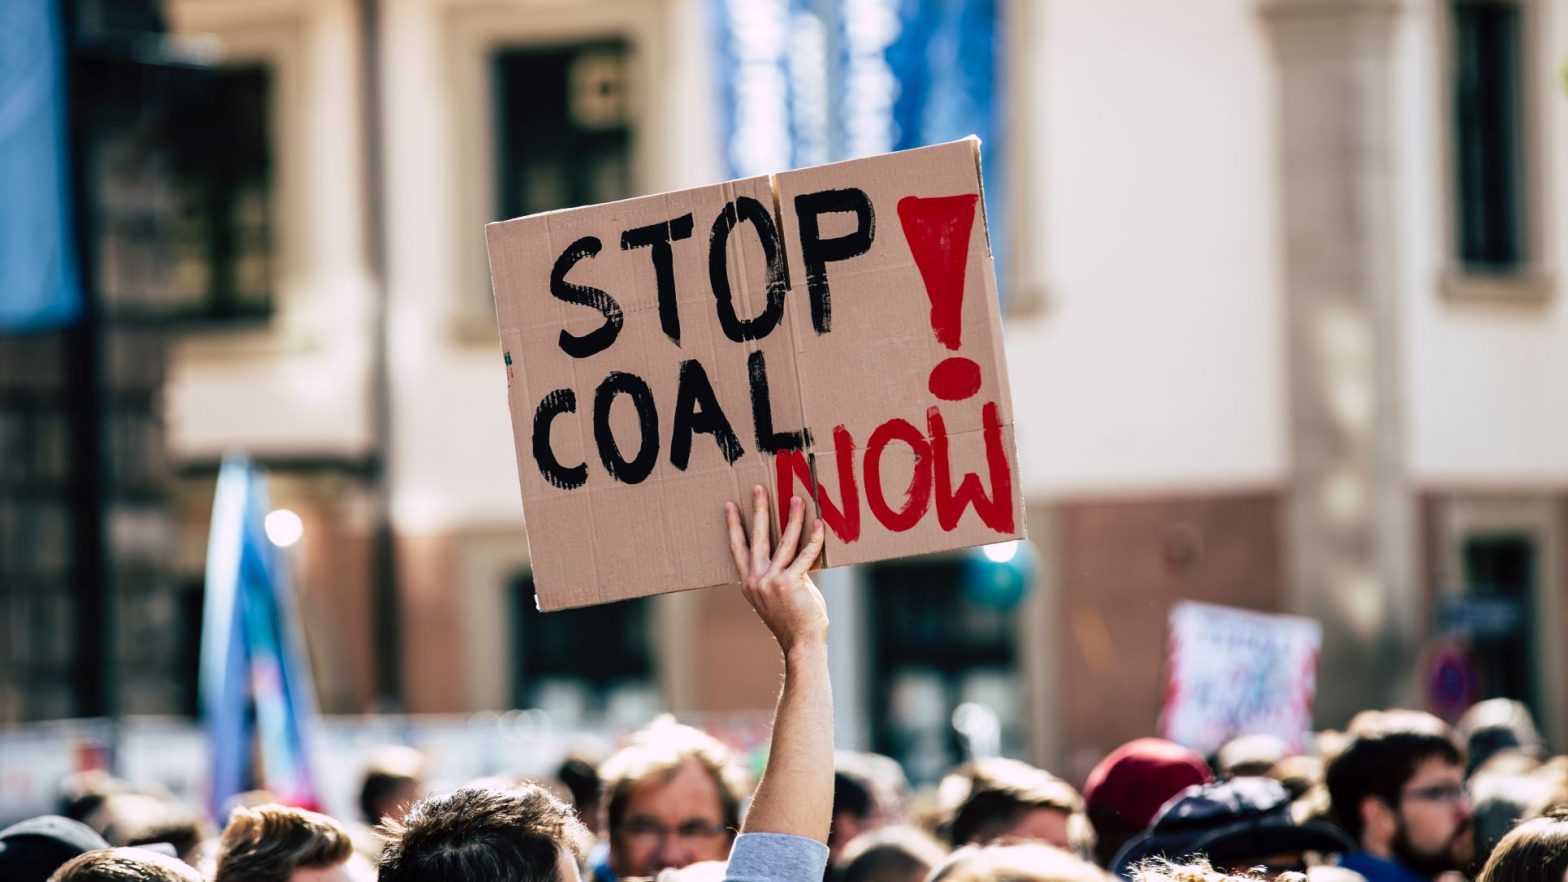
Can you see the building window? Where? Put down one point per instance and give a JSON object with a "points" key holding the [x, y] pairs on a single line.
{"points": [[1499, 600], [1491, 213], [943, 667], [577, 664], [563, 126]]}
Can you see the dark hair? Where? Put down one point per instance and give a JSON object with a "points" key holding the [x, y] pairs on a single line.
{"points": [[269, 842], [179, 826], [1004, 789], [1381, 755], [852, 796], [1536, 851], [582, 779], [514, 835], [124, 865], [391, 769]]}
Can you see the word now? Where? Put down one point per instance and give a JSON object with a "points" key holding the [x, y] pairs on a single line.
{"points": [[932, 466]]}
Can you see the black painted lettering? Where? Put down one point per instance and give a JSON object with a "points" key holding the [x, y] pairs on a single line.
{"points": [[769, 441], [746, 209], [554, 404], [636, 470], [816, 252], [697, 410], [601, 337], [658, 237]]}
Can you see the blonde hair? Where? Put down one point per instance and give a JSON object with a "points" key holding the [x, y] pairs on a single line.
{"points": [[1198, 870], [124, 865], [269, 842], [660, 750], [1029, 862]]}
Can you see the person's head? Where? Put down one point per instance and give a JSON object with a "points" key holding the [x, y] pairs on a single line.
{"points": [[1237, 825], [1128, 787], [33, 849], [1398, 789], [1027, 862], [1501, 801], [581, 779], [135, 819], [125, 865], [391, 784], [1011, 800], [1494, 725], [854, 810], [672, 797], [890, 854], [1247, 755], [278, 843], [82, 793], [522, 834], [1536, 851]]}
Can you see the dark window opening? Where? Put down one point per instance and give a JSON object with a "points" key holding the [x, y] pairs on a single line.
{"points": [[564, 127], [1488, 130], [933, 650], [186, 222], [1500, 577], [576, 663]]}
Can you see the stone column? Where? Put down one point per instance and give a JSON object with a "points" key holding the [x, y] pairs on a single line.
{"points": [[1350, 527]]}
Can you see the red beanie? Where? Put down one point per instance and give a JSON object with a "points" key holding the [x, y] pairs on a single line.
{"points": [[1138, 778]]}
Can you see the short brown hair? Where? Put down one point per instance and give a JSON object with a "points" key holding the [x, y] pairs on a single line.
{"points": [[660, 750], [124, 865], [1534, 850], [269, 842], [499, 835], [1002, 789]]}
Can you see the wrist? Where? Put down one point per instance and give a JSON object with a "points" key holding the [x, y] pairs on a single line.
{"points": [[806, 651]]}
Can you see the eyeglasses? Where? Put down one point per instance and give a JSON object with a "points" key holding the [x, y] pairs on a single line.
{"points": [[1447, 793], [693, 832]]}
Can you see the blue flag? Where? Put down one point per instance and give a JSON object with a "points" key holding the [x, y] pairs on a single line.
{"points": [[803, 82], [255, 678], [39, 283]]}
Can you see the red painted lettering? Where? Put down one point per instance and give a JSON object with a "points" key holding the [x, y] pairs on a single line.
{"points": [[997, 511]]}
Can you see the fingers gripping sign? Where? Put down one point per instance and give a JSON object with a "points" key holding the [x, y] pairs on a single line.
{"points": [[776, 583]]}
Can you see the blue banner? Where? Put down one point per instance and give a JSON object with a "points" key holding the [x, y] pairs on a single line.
{"points": [[39, 283], [803, 82], [256, 691]]}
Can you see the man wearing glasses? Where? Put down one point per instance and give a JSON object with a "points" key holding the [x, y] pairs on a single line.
{"points": [[1398, 789], [672, 798]]}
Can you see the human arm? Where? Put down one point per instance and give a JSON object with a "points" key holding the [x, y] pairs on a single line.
{"points": [[795, 796]]}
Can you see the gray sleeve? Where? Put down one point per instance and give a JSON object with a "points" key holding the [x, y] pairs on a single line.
{"points": [[776, 857]]}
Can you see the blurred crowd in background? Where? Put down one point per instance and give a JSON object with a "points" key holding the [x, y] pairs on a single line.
{"points": [[1398, 795]]}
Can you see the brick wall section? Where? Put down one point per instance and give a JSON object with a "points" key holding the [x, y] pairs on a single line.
{"points": [[1124, 563]]}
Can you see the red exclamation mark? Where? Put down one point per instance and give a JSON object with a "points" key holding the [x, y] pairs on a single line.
{"points": [[937, 230]]}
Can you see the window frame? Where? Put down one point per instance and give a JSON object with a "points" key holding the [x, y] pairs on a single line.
{"points": [[476, 34], [1532, 280]]}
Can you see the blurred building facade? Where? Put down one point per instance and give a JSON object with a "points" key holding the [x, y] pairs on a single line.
{"points": [[1285, 323]]}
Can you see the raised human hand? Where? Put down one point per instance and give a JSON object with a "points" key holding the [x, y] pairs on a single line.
{"points": [[775, 583]]}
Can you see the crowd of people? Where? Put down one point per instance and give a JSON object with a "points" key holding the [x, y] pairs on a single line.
{"points": [[1398, 796]]}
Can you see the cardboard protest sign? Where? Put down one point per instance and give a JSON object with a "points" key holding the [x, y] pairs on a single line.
{"points": [[830, 333], [1234, 672]]}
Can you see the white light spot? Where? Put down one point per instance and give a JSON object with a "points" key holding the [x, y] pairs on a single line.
{"points": [[284, 527], [1001, 552]]}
